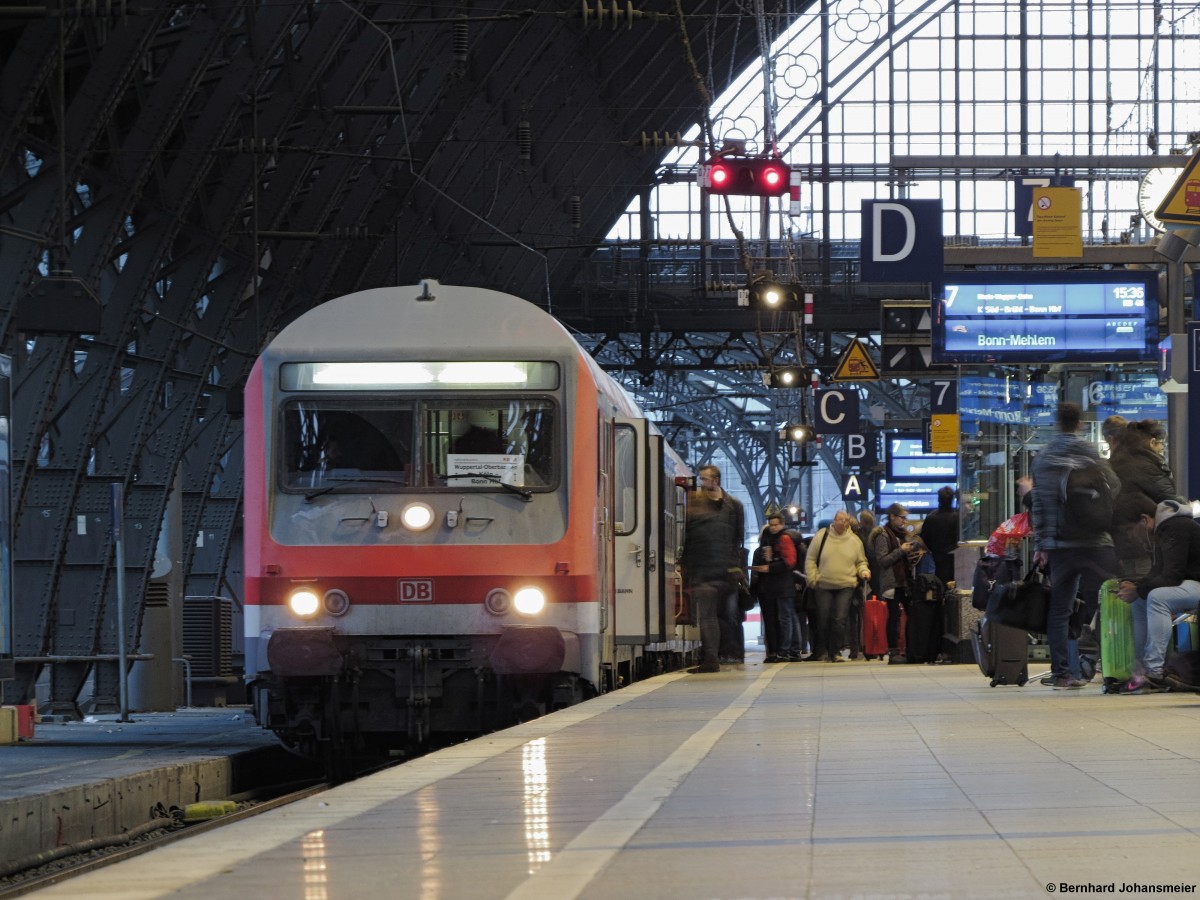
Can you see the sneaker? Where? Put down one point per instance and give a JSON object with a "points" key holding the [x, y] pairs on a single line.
{"points": [[896, 659], [1067, 683], [837, 658], [705, 667], [1047, 680], [1144, 684], [774, 659], [792, 657]]}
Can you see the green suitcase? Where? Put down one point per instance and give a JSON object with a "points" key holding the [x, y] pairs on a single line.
{"points": [[1116, 638]]}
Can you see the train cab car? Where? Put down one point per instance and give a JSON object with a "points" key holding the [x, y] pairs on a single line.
{"points": [[454, 520]]}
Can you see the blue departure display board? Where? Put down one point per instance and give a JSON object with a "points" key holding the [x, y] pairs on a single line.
{"points": [[1031, 317]]}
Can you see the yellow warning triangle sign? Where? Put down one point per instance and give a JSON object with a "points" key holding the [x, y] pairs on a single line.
{"points": [[1181, 205], [855, 364]]}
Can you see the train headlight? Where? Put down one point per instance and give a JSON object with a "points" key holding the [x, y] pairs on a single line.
{"points": [[529, 601], [336, 602], [304, 603], [417, 516]]}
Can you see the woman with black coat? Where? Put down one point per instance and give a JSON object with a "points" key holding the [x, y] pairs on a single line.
{"points": [[1146, 481]]}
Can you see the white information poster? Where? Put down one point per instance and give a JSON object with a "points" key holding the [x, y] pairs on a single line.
{"points": [[474, 469]]}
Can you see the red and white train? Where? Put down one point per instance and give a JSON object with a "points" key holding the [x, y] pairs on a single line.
{"points": [[454, 520]]}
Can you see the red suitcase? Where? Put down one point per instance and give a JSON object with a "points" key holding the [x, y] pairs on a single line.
{"points": [[874, 628]]}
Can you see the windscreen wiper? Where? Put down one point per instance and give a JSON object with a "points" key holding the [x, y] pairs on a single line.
{"points": [[525, 495], [343, 482]]}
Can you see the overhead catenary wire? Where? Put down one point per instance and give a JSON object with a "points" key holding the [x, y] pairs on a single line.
{"points": [[412, 171]]}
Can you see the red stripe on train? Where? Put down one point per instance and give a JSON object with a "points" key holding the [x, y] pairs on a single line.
{"points": [[417, 589]]}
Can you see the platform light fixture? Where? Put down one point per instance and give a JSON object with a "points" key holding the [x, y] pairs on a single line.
{"points": [[786, 377], [772, 295], [798, 433]]}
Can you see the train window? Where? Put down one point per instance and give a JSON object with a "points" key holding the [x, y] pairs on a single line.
{"points": [[625, 479], [480, 443], [328, 441]]}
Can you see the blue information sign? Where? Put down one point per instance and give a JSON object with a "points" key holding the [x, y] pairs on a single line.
{"points": [[1046, 316]]}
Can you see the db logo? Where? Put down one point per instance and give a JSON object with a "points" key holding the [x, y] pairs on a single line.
{"points": [[416, 591]]}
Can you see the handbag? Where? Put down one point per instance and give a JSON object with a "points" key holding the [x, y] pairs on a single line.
{"points": [[990, 571], [1023, 604], [745, 599]]}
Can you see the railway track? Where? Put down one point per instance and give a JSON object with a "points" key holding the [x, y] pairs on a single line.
{"points": [[43, 873]]}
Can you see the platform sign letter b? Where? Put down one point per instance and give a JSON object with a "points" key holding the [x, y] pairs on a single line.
{"points": [[858, 451]]}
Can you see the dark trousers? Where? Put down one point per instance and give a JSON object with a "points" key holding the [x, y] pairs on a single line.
{"points": [[768, 608], [895, 606], [1074, 570], [833, 608], [854, 624], [805, 636], [729, 619], [705, 600]]}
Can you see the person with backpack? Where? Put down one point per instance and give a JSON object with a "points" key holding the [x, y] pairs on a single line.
{"points": [[1073, 493], [940, 534], [834, 566], [774, 562]]}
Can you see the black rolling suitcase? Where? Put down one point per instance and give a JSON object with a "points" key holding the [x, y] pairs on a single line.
{"points": [[1001, 651]]}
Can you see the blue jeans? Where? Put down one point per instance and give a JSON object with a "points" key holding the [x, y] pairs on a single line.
{"points": [[787, 627], [833, 607], [1074, 570], [1152, 617]]}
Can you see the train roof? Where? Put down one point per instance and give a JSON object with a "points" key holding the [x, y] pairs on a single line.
{"points": [[423, 321], [430, 320]]}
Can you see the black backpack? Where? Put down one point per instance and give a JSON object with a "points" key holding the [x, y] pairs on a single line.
{"points": [[1085, 502], [927, 588]]}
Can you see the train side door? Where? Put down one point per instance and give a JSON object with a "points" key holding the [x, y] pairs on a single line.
{"points": [[660, 611], [633, 559]]}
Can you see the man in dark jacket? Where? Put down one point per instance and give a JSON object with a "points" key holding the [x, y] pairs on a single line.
{"points": [[940, 534], [1171, 587], [777, 589], [713, 558], [1078, 565]]}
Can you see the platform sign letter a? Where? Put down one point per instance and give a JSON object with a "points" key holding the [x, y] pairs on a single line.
{"points": [[852, 489]]}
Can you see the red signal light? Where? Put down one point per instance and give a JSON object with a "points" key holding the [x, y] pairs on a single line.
{"points": [[752, 177]]}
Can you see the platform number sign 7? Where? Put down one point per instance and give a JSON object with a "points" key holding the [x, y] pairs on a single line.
{"points": [[943, 396]]}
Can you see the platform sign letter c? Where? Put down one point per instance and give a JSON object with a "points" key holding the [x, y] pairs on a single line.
{"points": [[837, 412]]}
